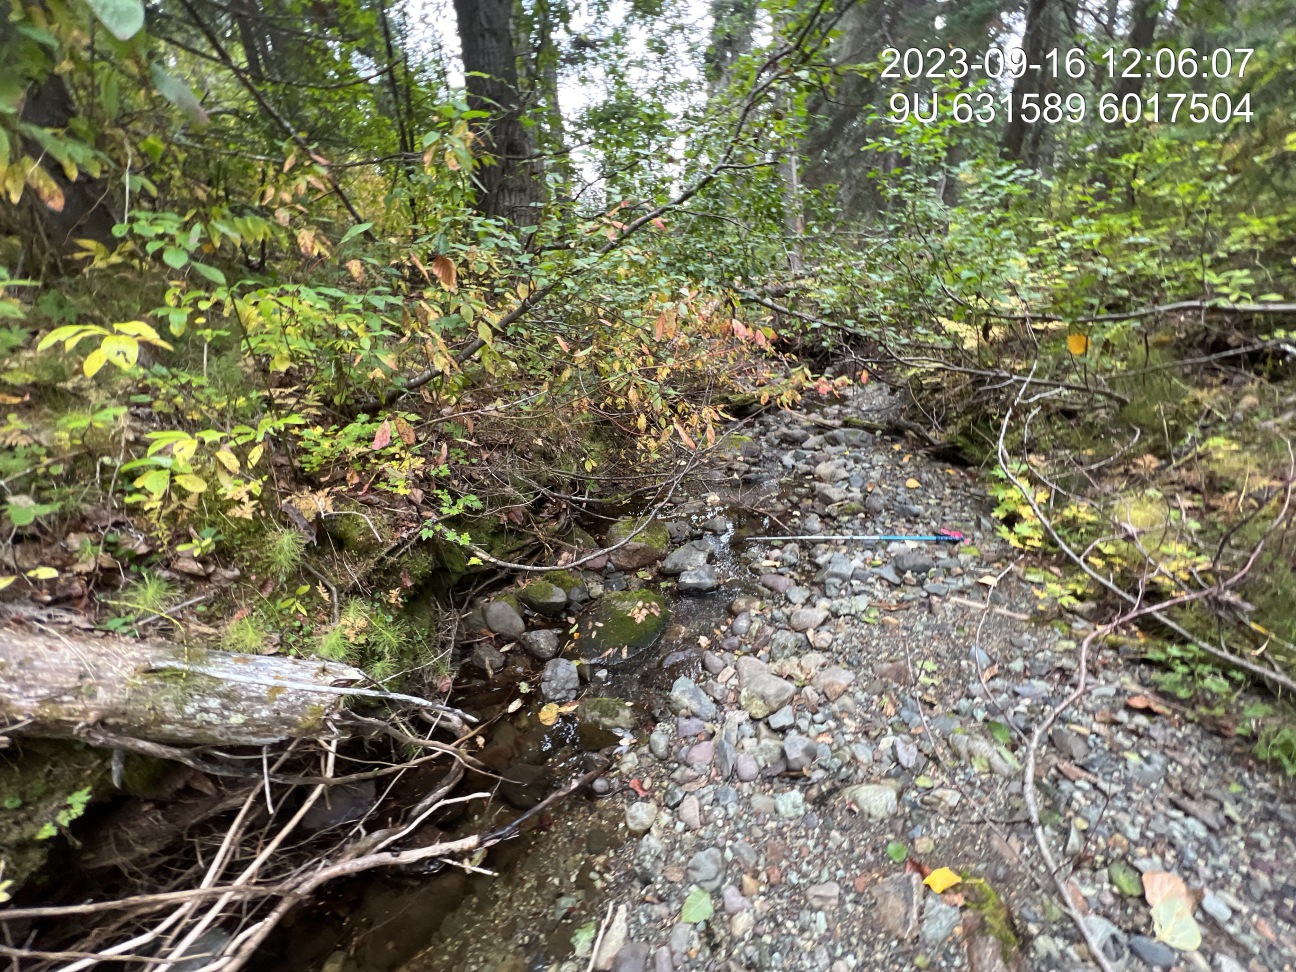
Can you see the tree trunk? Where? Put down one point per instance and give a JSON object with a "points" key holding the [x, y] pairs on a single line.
{"points": [[732, 24], [510, 184], [1142, 33], [1039, 31], [52, 685]]}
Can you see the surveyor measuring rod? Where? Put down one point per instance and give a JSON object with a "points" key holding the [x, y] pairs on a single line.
{"points": [[945, 536]]}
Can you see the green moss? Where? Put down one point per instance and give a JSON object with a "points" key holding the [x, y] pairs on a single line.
{"points": [[621, 625], [35, 781], [654, 536], [985, 901]]}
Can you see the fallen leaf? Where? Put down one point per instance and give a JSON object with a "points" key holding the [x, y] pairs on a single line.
{"points": [[640, 790], [549, 714], [697, 907], [942, 879], [1147, 702], [1172, 907], [912, 484]]}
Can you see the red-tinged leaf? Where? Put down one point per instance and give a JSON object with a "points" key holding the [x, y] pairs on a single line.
{"points": [[685, 437], [446, 272], [638, 788], [382, 438], [445, 685], [563, 344], [43, 184], [659, 223], [915, 866]]}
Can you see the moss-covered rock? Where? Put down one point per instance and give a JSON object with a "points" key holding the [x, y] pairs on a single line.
{"points": [[607, 713], [648, 546], [544, 597], [621, 625]]}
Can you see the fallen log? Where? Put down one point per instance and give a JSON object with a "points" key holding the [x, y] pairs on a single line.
{"points": [[56, 685]]}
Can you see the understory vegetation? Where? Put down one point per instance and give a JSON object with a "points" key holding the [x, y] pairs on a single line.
{"points": [[305, 321]]}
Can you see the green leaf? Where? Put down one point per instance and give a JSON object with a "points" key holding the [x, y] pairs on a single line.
{"points": [[213, 274], [178, 93], [174, 257], [697, 907], [22, 514], [583, 939], [1002, 734], [1125, 879], [897, 851], [123, 18], [354, 231]]}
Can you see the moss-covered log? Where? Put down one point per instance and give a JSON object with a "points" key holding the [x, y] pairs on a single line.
{"points": [[52, 684]]}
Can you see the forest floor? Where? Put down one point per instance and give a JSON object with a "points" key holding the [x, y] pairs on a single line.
{"points": [[859, 718]]}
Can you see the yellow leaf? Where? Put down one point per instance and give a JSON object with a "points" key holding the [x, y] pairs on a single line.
{"points": [[255, 455], [912, 484], [1077, 344], [95, 360], [121, 349], [195, 484], [941, 880], [228, 460], [6, 581], [549, 714], [42, 573], [43, 184]]}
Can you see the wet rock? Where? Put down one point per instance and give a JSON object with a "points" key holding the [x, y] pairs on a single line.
{"points": [[706, 869], [896, 902], [647, 547], [744, 604], [914, 560], [640, 817], [876, 800], [561, 680], [685, 696], [762, 691], [778, 583], [1156, 954], [544, 597], [717, 524], [700, 580], [607, 713], [688, 557], [621, 625], [541, 644], [503, 619], [523, 785], [486, 657]]}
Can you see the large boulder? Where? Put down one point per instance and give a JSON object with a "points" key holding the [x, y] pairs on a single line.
{"points": [[620, 625], [694, 554], [647, 547], [503, 619]]}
